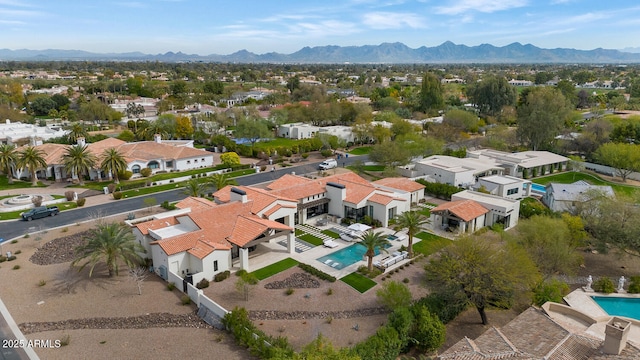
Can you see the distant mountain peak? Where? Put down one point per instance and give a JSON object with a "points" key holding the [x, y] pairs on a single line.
{"points": [[388, 52]]}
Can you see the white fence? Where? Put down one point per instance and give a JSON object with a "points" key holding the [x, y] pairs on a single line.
{"points": [[208, 310]]}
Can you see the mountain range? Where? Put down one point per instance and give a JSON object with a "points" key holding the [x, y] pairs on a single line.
{"points": [[391, 53]]}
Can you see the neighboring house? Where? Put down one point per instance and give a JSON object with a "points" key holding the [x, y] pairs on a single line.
{"points": [[523, 164], [454, 171], [19, 134], [341, 132], [505, 186], [203, 238], [514, 82], [469, 211], [461, 216], [565, 197], [501, 210], [348, 196], [297, 131], [553, 332], [158, 155]]}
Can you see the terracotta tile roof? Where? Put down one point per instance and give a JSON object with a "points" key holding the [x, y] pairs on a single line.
{"points": [[400, 183], [302, 191], [53, 153], [466, 210], [287, 181], [260, 199], [248, 228], [195, 203], [197, 243], [383, 199], [276, 208], [150, 150], [156, 224]]}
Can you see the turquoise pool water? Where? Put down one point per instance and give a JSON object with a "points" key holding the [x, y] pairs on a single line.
{"points": [[538, 188], [392, 237], [617, 306], [345, 257]]}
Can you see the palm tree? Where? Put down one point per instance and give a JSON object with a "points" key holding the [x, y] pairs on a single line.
{"points": [[220, 180], [373, 241], [412, 222], [78, 160], [194, 188], [111, 243], [31, 159], [113, 162], [76, 131], [8, 159]]}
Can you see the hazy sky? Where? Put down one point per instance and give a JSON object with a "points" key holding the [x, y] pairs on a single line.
{"points": [[223, 27]]}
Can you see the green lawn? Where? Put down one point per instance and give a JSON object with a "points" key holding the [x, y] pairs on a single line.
{"points": [[17, 184], [275, 268], [16, 214], [358, 282], [311, 239], [429, 243], [572, 176], [361, 150], [331, 234], [373, 168]]}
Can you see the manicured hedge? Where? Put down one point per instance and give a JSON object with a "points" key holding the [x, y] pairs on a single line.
{"points": [[317, 273]]}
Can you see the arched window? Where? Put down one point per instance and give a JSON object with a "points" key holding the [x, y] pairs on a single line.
{"points": [[135, 169], [153, 165]]}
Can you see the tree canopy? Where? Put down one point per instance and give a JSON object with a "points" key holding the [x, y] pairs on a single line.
{"points": [[492, 94], [541, 116], [482, 273]]}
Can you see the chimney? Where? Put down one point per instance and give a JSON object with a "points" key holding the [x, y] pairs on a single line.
{"points": [[615, 336], [80, 141], [157, 138], [238, 195]]}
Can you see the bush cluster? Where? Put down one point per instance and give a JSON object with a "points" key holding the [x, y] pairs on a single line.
{"points": [[221, 276], [604, 285], [146, 172], [258, 343], [202, 284], [80, 202], [117, 195], [317, 273], [167, 206], [442, 191]]}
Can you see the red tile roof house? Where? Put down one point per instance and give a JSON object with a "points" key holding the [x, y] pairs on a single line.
{"points": [[470, 211], [202, 238], [158, 155], [348, 196]]}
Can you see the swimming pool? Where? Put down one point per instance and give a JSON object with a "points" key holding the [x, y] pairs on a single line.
{"points": [[392, 237], [538, 188], [618, 306], [345, 257]]}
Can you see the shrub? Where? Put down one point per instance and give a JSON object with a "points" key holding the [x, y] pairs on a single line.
{"points": [[125, 175], [221, 276], [289, 291], [42, 283], [146, 172], [317, 273], [18, 252], [394, 295], [37, 200], [260, 344], [330, 291], [64, 230], [185, 300], [80, 202], [69, 195], [171, 286], [202, 284], [326, 152], [444, 306], [65, 340], [11, 258], [241, 273], [405, 280], [117, 195], [604, 285], [552, 290], [16, 267], [3, 258], [634, 285], [111, 188]]}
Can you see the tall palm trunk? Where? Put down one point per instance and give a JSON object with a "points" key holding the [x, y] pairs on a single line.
{"points": [[34, 178]]}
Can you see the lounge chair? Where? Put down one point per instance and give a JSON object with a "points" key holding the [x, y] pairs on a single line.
{"points": [[346, 237], [330, 244]]}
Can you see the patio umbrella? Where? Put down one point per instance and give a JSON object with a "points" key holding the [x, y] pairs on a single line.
{"points": [[359, 227]]}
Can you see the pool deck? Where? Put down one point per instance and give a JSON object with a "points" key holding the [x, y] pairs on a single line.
{"points": [[273, 252], [584, 316]]}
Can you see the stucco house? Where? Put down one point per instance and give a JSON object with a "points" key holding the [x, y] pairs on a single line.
{"points": [[203, 238], [158, 155], [297, 131], [454, 171], [348, 196], [469, 211], [505, 186], [522, 164], [18, 133], [565, 197]]}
